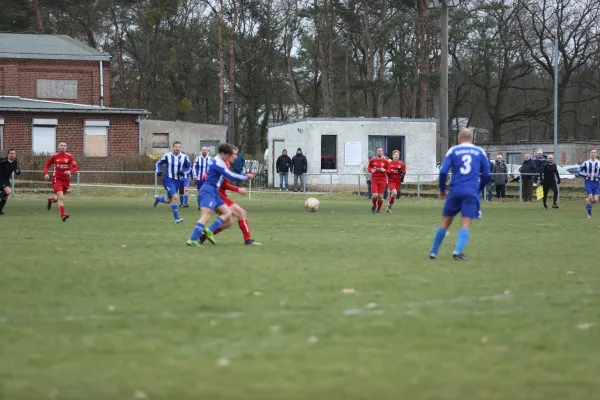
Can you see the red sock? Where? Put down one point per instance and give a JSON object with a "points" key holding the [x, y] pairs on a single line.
{"points": [[374, 201], [379, 204], [51, 200], [392, 199], [219, 230], [245, 228], [62, 210]]}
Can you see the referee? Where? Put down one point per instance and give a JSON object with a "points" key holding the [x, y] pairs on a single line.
{"points": [[8, 165], [549, 178]]}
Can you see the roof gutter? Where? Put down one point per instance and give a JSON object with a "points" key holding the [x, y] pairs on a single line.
{"points": [[75, 111], [71, 57]]}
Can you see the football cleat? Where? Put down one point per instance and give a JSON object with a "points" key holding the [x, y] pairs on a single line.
{"points": [[554, 206], [373, 210], [203, 239], [193, 243], [432, 256], [156, 201], [210, 236], [589, 216], [251, 242], [50, 201], [179, 220], [65, 217], [388, 209], [2, 213], [378, 213], [459, 257], [185, 205]]}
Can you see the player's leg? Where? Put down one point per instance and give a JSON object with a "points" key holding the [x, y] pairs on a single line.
{"points": [[392, 197], [4, 194], [589, 197], [382, 189], [469, 210], [205, 212], [198, 186], [224, 214], [60, 199], [171, 198], [242, 218], [374, 195], [545, 188], [441, 233], [181, 193]]}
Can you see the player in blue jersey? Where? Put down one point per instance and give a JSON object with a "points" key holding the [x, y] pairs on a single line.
{"points": [[199, 169], [470, 173], [184, 186], [176, 165], [209, 193], [590, 169]]}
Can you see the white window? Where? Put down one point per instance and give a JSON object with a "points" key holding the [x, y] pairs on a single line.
{"points": [[43, 135], [96, 139]]}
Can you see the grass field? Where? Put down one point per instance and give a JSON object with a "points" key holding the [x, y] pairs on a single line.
{"points": [[113, 305]]}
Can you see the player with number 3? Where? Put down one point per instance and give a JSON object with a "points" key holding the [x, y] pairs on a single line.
{"points": [[470, 173]]}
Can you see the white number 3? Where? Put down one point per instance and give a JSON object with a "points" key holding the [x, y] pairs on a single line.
{"points": [[466, 168]]}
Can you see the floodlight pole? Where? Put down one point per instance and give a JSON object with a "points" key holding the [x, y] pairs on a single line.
{"points": [[444, 137], [556, 101]]}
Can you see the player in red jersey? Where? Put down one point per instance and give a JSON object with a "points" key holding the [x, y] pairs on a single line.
{"points": [[64, 167], [379, 168], [395, 178], [236, 210]]}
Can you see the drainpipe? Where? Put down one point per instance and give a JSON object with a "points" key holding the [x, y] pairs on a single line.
{"points": [[101, 85], [139, 121]]}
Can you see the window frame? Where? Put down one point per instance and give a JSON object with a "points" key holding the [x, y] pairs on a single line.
{"points": [[95, 124], [334, 157], [160, 133], [43, 123]]}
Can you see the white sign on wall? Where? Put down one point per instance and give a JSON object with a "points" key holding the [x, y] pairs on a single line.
{"points": [[352, 153]]}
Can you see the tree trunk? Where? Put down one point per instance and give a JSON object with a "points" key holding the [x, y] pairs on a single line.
{"points": [[221, 65], [232, 72], [323, 37], [370, 61], [119, 48], [424, 55], [381, 76], [38, 16], [347, 81]]}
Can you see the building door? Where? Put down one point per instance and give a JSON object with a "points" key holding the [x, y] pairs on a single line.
{"points": [[278, 146], [395, 143]]}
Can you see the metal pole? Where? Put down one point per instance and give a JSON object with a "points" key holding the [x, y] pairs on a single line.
{"points": [[304, 184], [78, 184], [556, 101], [155, 184], [331, 186], [250, 188], [419, 187], [12, 184], [520, 187], [444, 138]]}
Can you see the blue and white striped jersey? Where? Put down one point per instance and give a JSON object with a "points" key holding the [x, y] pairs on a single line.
{"points": [[590, 167], [174, 164], [218, 171], [200, 166]]}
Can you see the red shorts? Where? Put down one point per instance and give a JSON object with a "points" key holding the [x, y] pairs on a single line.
{"points": [[227, 200], [378, 187], [60, 185], [394, 186]]}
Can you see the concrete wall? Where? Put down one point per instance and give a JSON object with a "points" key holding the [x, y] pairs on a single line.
{"points": [[568, 152], [420, 143], [190, 135]]}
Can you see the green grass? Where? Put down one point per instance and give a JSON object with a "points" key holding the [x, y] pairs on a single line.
{"points": [[113, 305]]}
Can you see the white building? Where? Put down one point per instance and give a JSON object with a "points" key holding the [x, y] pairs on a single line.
{"points": [[339, 147]]}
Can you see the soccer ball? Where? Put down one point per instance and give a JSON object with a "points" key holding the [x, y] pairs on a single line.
{"points": [[311, 204]]}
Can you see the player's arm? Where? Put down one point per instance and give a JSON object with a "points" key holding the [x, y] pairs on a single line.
{"points": [[159, 164], [485, 173], [74, 166], [228, 186], [187, 167], [229, 174], [196, 168], [47, 165], [17, 169], [444, 169], [583, 169]]}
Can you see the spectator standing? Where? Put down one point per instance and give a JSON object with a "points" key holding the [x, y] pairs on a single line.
{"points": [[487, 194], [368, 177], [283, 165], [549, 178], [238, 167], [500, 177], [527, 171], [299, 168], [539, 160]]}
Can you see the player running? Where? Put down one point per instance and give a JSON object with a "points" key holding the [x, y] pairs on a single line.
{"points": [[64, 167], [466, 162], [379, 168], [395, 178], [236, 210], [199, 169], [590, 169], [184, 186], [177, 165], [8, 165], [209, 193]]}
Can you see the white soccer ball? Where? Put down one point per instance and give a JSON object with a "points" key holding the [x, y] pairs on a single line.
{"points": [[311, 204]]}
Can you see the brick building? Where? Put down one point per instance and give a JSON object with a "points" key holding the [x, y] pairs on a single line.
{"points": [[54, 88]]}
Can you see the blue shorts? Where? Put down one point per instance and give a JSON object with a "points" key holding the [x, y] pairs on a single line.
{"points": [[592, 187], [184, 182], [209, 198], [171, 186], [465, 203]]}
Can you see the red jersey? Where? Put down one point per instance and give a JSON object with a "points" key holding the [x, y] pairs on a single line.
{"points": [[63, 162], [378, 163], [225, 185], [397, 169]]}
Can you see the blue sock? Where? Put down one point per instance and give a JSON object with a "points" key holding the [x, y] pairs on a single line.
{"points": [[216, 225], [162, 199], [185, 199], [199, 200], [175, 209], [589, 208], [463, 238], [440, 234], [198, 229]]}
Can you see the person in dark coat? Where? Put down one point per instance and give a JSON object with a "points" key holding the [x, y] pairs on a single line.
{"points": [[8, 165], [488, 187], [283, 164], [500, 177], [299, 168], [238, 167], [549, 178], [527, 170], [539, 160]]}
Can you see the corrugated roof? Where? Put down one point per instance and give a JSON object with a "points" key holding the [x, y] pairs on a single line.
{"points": [[12, 103], [53, 47]]}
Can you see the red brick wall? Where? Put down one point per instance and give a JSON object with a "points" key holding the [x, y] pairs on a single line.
{"points": [[122, 136], [20, 78]]}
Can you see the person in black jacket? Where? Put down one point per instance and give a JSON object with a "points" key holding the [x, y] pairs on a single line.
{"points": [[527, 171], [8, 165], [299, 168], [549, 178], [283, 164]]}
